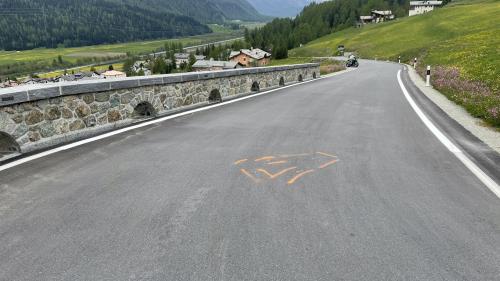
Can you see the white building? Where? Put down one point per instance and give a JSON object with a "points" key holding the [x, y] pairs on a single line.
{"points": [[422, 7]]}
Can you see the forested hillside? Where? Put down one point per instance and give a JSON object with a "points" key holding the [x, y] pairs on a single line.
{"points": [[49, 23], [28, 24], [317, 20]]}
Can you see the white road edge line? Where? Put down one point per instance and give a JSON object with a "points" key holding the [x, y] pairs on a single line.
{"points": [[161, 119], [482, 176]]}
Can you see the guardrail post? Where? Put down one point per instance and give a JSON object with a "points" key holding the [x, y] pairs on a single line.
{"points": [[428, 77]]}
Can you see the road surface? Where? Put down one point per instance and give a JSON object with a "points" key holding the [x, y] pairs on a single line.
{"points": [[337, 179]]}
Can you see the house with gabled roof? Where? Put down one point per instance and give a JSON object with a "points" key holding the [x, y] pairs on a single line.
{"points": [[250, 57]]}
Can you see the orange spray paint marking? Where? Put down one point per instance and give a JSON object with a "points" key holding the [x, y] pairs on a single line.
{"points": [[273, 176], [294, 155], [294, 179], [246, 173], [326, 154], [265, 158], [328, 164], [277, 162], [240, 161]]}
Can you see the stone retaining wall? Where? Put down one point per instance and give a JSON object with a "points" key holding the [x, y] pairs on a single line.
{"points": [[38, 116]]}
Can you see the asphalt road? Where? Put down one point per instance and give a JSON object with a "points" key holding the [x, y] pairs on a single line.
{"points": [[336, 179]]}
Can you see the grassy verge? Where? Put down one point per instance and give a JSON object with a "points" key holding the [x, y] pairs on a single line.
{"points": [[326, 65], [475, 96], [461, 39]]}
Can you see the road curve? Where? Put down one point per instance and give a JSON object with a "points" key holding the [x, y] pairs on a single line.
{"points": [[336, 179]]}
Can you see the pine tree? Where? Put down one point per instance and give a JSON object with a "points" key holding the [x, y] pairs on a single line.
{"points": [[167, 48], [192, 60], [127, 67], [173, 62]]}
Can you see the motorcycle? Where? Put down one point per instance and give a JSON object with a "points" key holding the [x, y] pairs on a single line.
{"points": [[352, 63]]}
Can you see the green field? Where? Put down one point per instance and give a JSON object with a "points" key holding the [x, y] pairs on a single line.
{"points": [[461, 38]]}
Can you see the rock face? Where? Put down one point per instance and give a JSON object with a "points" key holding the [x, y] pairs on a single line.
{"points": [[74, 115]]}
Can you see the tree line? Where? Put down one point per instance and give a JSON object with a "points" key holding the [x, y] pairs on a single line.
{"points": [[222, 52]]}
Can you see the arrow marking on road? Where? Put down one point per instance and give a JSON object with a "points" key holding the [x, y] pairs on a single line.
{"points": [[257, 173], [273, 176]]}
